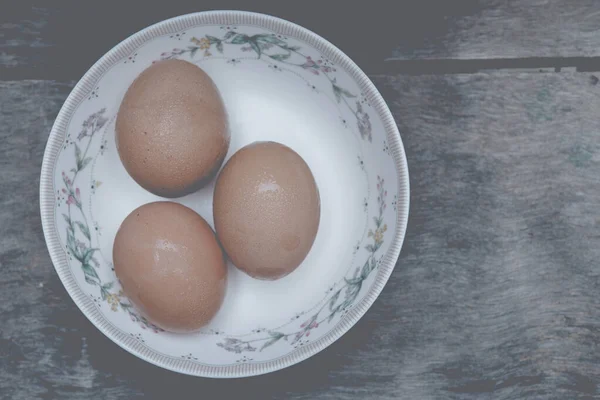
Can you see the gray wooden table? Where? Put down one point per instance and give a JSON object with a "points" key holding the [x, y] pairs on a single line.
{"points": [[496, 294]]}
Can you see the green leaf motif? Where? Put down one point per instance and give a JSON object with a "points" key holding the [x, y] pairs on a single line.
{"points": [[334, 300], [280, 57], [85, 162], [255, 47], [346, 93], [71, 243], [333, 313], [352, 293], [88, 255], [378, 221], [84, 229], [213, 39], [370, 248], [229, 35], [275, 337], [220, 47], [366, 270], [66, 217], [267, 38], [373, 263], [108, 285], [78, 156], [90, 274], [240, 38], [263, 46], [193, 51], [339, 91], [291, 48], [353, 281]]}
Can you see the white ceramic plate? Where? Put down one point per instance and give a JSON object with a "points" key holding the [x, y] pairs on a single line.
{"points": [[279, 82]]}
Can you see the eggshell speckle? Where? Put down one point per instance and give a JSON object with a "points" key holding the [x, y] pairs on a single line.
{"points": [[171, 129], [170, 266], [266, 209]]}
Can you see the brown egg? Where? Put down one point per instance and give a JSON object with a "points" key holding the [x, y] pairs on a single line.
{"points": [[266, 209], [170, 266], [171, 129]]}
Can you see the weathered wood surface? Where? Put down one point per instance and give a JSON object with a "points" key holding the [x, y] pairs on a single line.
{"points": [[495, 295], [483, 29], [496, 292], [61, 40], [55, 40]]}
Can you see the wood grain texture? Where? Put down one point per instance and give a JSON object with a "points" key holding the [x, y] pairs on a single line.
{"points": [[496, 284], [495, 295], [62, 39], [485, 29]]}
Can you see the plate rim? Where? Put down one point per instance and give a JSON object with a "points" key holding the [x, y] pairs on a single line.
{"points": [[87, 82]]}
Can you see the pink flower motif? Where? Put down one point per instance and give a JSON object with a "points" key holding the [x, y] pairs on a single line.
{"points": [[77, 193], [307, 333], [70, 200], [312, 65], [64, 190]]}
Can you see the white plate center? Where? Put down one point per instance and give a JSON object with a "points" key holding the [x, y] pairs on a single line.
{"points": [[264, 104]]}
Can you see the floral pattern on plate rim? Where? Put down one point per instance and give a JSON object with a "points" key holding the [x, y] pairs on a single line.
{"points": [[277, 50], [79, 246], [337, 303], [79, 239]]}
